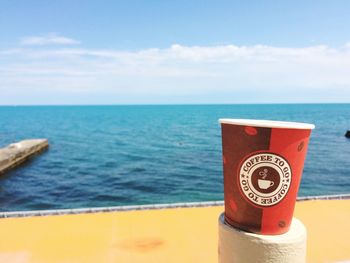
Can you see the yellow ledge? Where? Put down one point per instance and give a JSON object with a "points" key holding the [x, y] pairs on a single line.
{"points": [[165, 235]]}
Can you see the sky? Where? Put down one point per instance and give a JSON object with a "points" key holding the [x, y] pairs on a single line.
{"points": [[174, 52]]}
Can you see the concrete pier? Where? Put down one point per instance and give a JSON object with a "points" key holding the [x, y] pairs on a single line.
{"points": [[16, 153]]}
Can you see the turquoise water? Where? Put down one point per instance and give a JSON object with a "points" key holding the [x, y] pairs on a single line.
{"points": [[124, 155]]}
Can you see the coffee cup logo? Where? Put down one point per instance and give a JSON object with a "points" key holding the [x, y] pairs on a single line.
{"points": [[263, 183], [265, 178]]}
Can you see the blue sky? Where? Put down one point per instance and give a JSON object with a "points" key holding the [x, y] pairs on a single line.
{"points": [[131, 52]]}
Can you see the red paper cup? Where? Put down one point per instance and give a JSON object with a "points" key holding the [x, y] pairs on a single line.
{"points": [[263, 163]]}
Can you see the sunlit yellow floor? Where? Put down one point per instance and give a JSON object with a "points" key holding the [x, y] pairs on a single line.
{"points": [[166, 235]]}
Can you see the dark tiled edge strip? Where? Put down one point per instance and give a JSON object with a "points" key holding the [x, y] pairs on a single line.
{"points": [[108, 209], [144, 207], [324, 197]]}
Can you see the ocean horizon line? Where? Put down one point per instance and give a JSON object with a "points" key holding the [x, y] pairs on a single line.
{"points": [[172, 104]]}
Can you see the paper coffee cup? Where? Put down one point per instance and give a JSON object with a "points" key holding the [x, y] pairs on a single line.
{"points": [[263, 163]]}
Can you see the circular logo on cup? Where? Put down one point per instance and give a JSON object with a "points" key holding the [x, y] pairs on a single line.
{"points": [[265, 178]]}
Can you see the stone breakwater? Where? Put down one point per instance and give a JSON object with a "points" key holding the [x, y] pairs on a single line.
{"points": [[16, 153]]}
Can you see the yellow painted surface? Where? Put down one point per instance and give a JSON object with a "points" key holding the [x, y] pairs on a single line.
{"points": [[328, 226], [166, 235]]}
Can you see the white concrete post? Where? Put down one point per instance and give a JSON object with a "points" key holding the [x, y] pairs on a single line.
{"points": [[237, 246]]}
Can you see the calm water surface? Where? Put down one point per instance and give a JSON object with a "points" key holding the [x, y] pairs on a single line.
{"points": [[124, 155]]}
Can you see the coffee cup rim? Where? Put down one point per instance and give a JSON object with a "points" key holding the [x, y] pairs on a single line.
{"points": [[268, 123]]}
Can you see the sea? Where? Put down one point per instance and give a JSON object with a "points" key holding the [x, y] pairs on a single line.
{"points": [[152, 154]]}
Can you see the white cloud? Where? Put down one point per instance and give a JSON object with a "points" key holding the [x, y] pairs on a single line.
{"points": [[49, 39], [199, 72]]}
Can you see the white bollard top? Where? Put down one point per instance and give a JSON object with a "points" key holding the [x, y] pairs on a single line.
{"points": [[236, 246]]}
